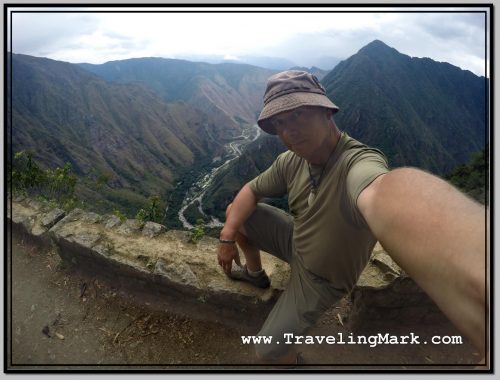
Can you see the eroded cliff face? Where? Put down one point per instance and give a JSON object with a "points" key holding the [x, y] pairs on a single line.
{"points": [[148, 258]]}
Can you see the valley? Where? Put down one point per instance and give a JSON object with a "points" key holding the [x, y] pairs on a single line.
{"points": [[185, 131], [194, 196]]}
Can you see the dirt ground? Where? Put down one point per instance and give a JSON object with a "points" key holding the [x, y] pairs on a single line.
{"points": [[62, 319]]}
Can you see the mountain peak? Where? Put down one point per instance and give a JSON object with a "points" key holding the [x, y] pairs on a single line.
{"points": [[377, 43], [377, 46]]}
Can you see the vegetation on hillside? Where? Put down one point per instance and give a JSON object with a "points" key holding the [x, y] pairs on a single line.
{"points": [[472, 178], [56, 186], [417, 111]]}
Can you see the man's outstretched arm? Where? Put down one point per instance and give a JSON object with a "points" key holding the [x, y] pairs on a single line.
{"points": [[438, 236]]}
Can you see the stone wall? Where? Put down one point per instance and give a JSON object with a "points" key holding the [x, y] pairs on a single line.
{"points": [[146, 258]]}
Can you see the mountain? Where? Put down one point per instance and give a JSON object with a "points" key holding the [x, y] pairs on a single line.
{"points": [[272, 63], [230, 94], [417, 111], [123, 132], [319, 73]]}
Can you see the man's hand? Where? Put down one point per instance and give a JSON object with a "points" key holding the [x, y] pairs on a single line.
{"points": [[226, 254]]}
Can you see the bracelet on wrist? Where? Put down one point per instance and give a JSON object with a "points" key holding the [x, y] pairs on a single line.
{"points": [[223, 241]]}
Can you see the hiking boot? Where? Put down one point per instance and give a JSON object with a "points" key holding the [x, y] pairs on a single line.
{"points": [[241, 274]]}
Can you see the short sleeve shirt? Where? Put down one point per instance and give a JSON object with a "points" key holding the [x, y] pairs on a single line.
{"points": [[330, 234]]}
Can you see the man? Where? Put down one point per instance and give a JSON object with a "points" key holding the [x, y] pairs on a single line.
{"points": [[342, 199]]}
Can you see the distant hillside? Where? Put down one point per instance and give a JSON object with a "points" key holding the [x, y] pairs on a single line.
{"points": [[229, 93], [419, 112], [472, 177], [320, 74], [125, 133]]}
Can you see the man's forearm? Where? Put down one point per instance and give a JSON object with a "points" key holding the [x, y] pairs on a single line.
{"points": [[437, 235], [242, 207]]}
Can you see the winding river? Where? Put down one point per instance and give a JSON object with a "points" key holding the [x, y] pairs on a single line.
{"points": [[197, 190]]}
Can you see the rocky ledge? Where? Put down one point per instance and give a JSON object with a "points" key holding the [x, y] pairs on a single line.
{"points": [[147, 258]]}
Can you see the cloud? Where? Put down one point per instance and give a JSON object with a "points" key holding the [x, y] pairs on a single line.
{"points": [[47, 33], [304, 38]]}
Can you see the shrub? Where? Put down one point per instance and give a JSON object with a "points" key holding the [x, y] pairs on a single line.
{"points": [[197, 232], [153, 211], [55, 186]]}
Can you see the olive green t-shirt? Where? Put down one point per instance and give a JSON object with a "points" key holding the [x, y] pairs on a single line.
{"points": [[330, 235]]}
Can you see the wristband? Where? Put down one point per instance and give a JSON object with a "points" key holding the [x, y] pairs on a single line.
{"points": [[222, 241]]}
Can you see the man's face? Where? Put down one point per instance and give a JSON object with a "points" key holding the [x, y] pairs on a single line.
{"points": [[303, 130]]}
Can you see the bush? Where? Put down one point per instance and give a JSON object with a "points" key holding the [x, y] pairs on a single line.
{"points": [[197, 232], [56, 186], [153, 211]]}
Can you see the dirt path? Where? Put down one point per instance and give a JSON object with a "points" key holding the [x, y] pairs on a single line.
{"points": [[66, 319]]}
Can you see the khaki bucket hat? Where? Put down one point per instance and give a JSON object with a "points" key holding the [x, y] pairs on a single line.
{"points": [[288, 90]]}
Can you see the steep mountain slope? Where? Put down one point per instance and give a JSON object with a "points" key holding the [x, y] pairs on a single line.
{"points": [[230, 93], [124, 132], [419, 112]]}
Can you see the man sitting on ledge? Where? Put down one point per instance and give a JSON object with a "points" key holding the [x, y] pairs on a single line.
{"points": [[342, 199]]}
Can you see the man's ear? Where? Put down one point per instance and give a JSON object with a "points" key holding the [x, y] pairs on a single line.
{"points": [[328, 114]]}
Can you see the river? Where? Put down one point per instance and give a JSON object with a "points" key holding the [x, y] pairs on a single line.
{"points": [[197, 190]]}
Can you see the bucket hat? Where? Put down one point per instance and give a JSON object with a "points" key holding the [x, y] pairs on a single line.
{"points": [[288, 90]]}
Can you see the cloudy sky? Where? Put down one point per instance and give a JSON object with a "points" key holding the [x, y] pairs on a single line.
{"points": [[306, 38]]}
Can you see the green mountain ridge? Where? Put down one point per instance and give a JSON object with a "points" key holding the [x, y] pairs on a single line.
{"points": [[63, 113], [229, 93], [417, 111]]}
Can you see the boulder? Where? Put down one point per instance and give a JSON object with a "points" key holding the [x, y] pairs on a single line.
{"points": [[179, 273], [151, 229], [111, 221], [33, 220], [129, 227], [51, 218], [385, 292]]}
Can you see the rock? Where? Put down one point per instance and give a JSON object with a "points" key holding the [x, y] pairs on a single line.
{"points": [[90, 217], [36, 205], [103, 248], [51, 218], [177, 273], [85, 239], [19, 198], [111, 221], [385, 292], [130, 226], [38, 230], [73, 216], [386, 264], [151, 229], [42, 222], [24, 216]]}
